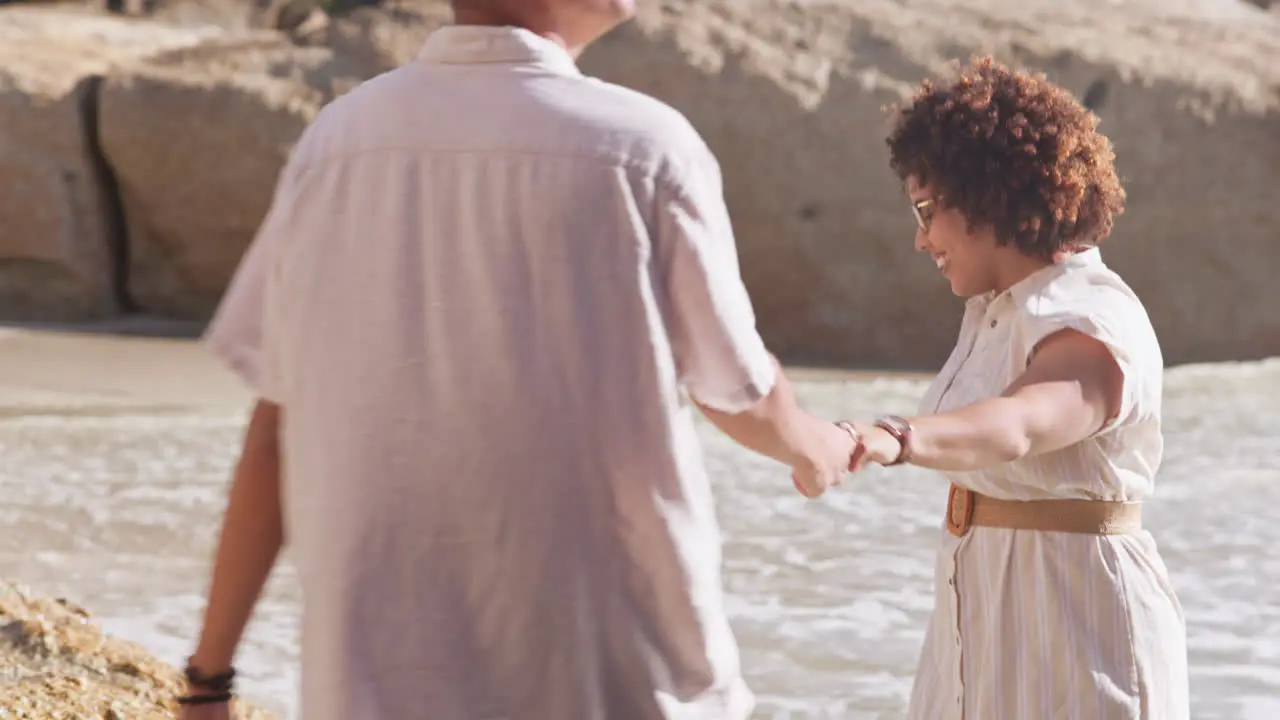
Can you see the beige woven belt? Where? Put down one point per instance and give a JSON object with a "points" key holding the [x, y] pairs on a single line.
{"points": [[966, 509]]}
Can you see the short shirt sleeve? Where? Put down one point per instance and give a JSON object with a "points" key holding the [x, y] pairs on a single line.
{"points": [[719, 354], [1104, 316], [244, 333]]}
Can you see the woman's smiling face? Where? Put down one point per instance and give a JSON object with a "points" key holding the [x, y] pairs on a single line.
{"points": [[965, 257]]}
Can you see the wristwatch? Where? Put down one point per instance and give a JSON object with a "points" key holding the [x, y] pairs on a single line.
{"points": [[900, 429]]}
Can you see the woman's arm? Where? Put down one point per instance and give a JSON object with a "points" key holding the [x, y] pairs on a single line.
{"points": [[1071, 388]]}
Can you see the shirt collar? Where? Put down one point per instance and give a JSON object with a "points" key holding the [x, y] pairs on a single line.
{"points": [[475, 44], [1028, 286]]}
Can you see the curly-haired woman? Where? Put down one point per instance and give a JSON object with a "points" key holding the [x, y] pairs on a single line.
{"points": [[1052, 601]]}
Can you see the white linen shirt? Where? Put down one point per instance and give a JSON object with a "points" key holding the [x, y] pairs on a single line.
{"points": [[483, 296]]}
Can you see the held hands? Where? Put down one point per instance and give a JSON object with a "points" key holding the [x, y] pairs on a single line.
{"points": [[829, 456], [878, 446], [845, 447]]}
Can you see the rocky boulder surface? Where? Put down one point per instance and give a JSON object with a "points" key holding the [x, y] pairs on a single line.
{"points": [[196, 137], [791, 96], [61, 231], [56, 663], [380, 37]]}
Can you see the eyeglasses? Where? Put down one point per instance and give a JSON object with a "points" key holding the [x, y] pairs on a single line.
{"points": [[923, 210]]}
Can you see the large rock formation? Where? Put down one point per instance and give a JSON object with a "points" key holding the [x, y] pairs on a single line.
{"points": [[196, 138], [227, 14], [56, 663], [60, 230], [139, 157], [380, 37], [789, 94]]}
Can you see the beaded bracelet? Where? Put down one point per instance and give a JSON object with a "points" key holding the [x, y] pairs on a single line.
{"points": [[217, 683], [204, 699], [218, 686]]}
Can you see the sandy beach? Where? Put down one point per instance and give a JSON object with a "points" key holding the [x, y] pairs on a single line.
{"points": [[138, 363], [125, 365]]}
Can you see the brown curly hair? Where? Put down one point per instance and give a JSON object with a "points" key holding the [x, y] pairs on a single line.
{"points": [[1013, 152]]}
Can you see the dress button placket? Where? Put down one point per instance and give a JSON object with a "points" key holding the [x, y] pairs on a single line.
{"points": [[956, 601], [958, 678]]}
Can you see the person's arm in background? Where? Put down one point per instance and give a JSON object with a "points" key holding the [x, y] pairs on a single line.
{"points": [[1072, 387], [720, 357], [251, 538], [244, 335]]}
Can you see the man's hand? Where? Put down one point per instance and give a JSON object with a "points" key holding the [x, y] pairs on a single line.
{"points": [[827, 458]]}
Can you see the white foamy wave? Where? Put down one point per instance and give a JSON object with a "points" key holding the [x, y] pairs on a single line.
{"points": [[119, 510]]}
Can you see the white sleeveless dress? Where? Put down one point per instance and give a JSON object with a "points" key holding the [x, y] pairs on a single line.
{"points": [[1033, 625]]}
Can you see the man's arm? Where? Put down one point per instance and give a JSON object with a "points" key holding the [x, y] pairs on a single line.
{"points": [[720, 356], [776, 426], [252, 534]]}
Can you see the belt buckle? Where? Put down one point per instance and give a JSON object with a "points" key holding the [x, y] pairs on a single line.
{"points": [[959, 510]]}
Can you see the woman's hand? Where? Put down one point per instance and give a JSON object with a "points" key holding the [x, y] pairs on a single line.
{"points": [[878, 447]]}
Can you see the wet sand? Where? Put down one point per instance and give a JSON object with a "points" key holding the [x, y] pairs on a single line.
{"points": [[80, 368]]}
